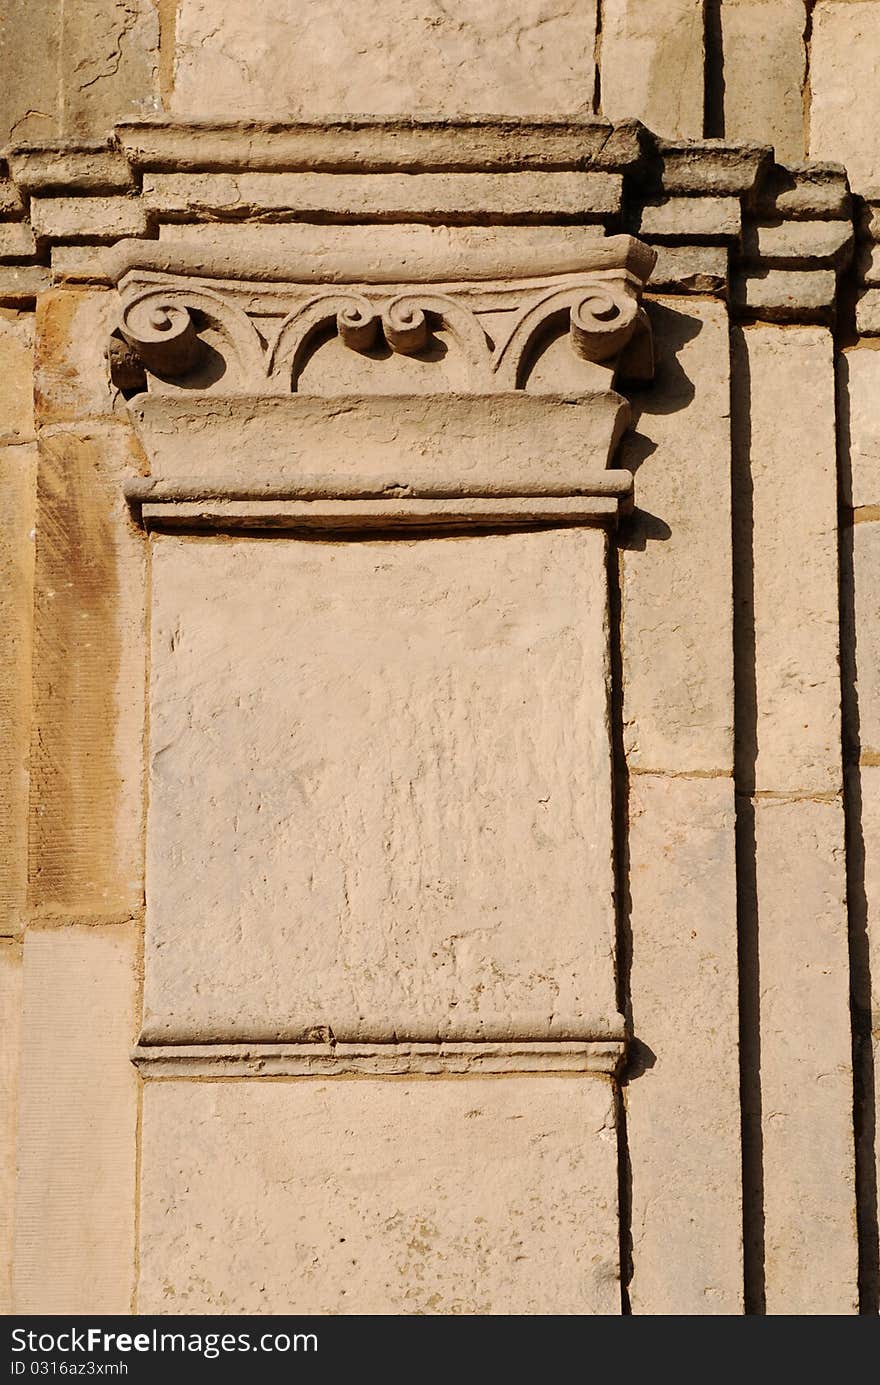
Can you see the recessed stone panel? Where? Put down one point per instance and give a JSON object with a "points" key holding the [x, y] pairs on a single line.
{"points": [[380, 789]]}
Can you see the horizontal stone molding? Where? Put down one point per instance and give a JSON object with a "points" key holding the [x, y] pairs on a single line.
{"points": [[383, 515], [380, 144], [355, 254], [371, 460], [376, 1060]]}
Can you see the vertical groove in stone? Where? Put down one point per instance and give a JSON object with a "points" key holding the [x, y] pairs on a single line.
{"points": [[713, 97], [745, 753], [622, 903], [809, 6], [597, 60], [864, 1109]]}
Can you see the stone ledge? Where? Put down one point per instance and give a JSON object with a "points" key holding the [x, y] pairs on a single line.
{"points": [[211, 184], [328, 1060]]}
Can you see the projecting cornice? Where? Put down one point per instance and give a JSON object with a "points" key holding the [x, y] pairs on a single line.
{"points": [[724, 219]]}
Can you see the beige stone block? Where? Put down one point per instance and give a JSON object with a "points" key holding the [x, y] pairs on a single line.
{"points": [[71, 375], [676, 560], [395, 196], [697, 217], [866, 983], [440, 1197], [16, 377], [74, 67], [20, 284], [75, 1214], [794, 483], [858, 383], [807, 190], [406, 56], [16, 241], [703, 168], [764, 70], [10, 1050], [868, 313], [87, 218], [30, 44], [11, 204], [682, 1103], [845, 61], [788, 295], [89, 677], [866, 578], [380, 790], [109, 63], [87, 168], [868, 265], [804, 242], [17, 492], [806, 1066], [651, 64], [690, 268]]}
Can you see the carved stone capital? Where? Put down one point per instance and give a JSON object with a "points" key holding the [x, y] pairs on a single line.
{"points": [[440, 390]]}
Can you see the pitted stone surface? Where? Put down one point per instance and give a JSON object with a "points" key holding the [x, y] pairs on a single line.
{"points": [[380, 790], [438, 1196]]}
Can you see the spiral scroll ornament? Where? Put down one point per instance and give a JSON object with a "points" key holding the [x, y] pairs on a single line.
{"points": [[602, 322], [162, 333], [357, 324], [405, 326]]}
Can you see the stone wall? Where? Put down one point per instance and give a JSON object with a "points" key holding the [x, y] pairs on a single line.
{"points": [[398, 760]]}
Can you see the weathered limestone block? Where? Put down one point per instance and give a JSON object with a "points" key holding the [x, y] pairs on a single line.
{"points": [[868, 987], [806, 1067], [88, 166], [20, 284], [16, 377], [18, 470], [794, 481], [16, 241], [88, 218], [682, 1109], [675, 566], [808, 190], [380, 790], [10, 1049], [89, 667], [77, 1153], [271, 60], [764, 69], [868, 313], [306, 1197], [690, 268], [442, 197], [697, 218], [786, 295], [858, 383], [803, 243], [676, 605], [866, 578], [651, 64], [74, 67], [71, 380], [844, 60]]}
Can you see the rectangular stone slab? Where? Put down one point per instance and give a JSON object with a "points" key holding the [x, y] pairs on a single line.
{"points": [[380, 802], [377, 1196]]}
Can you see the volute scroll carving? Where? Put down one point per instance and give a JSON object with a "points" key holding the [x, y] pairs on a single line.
{"points": [[164, 323]]}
